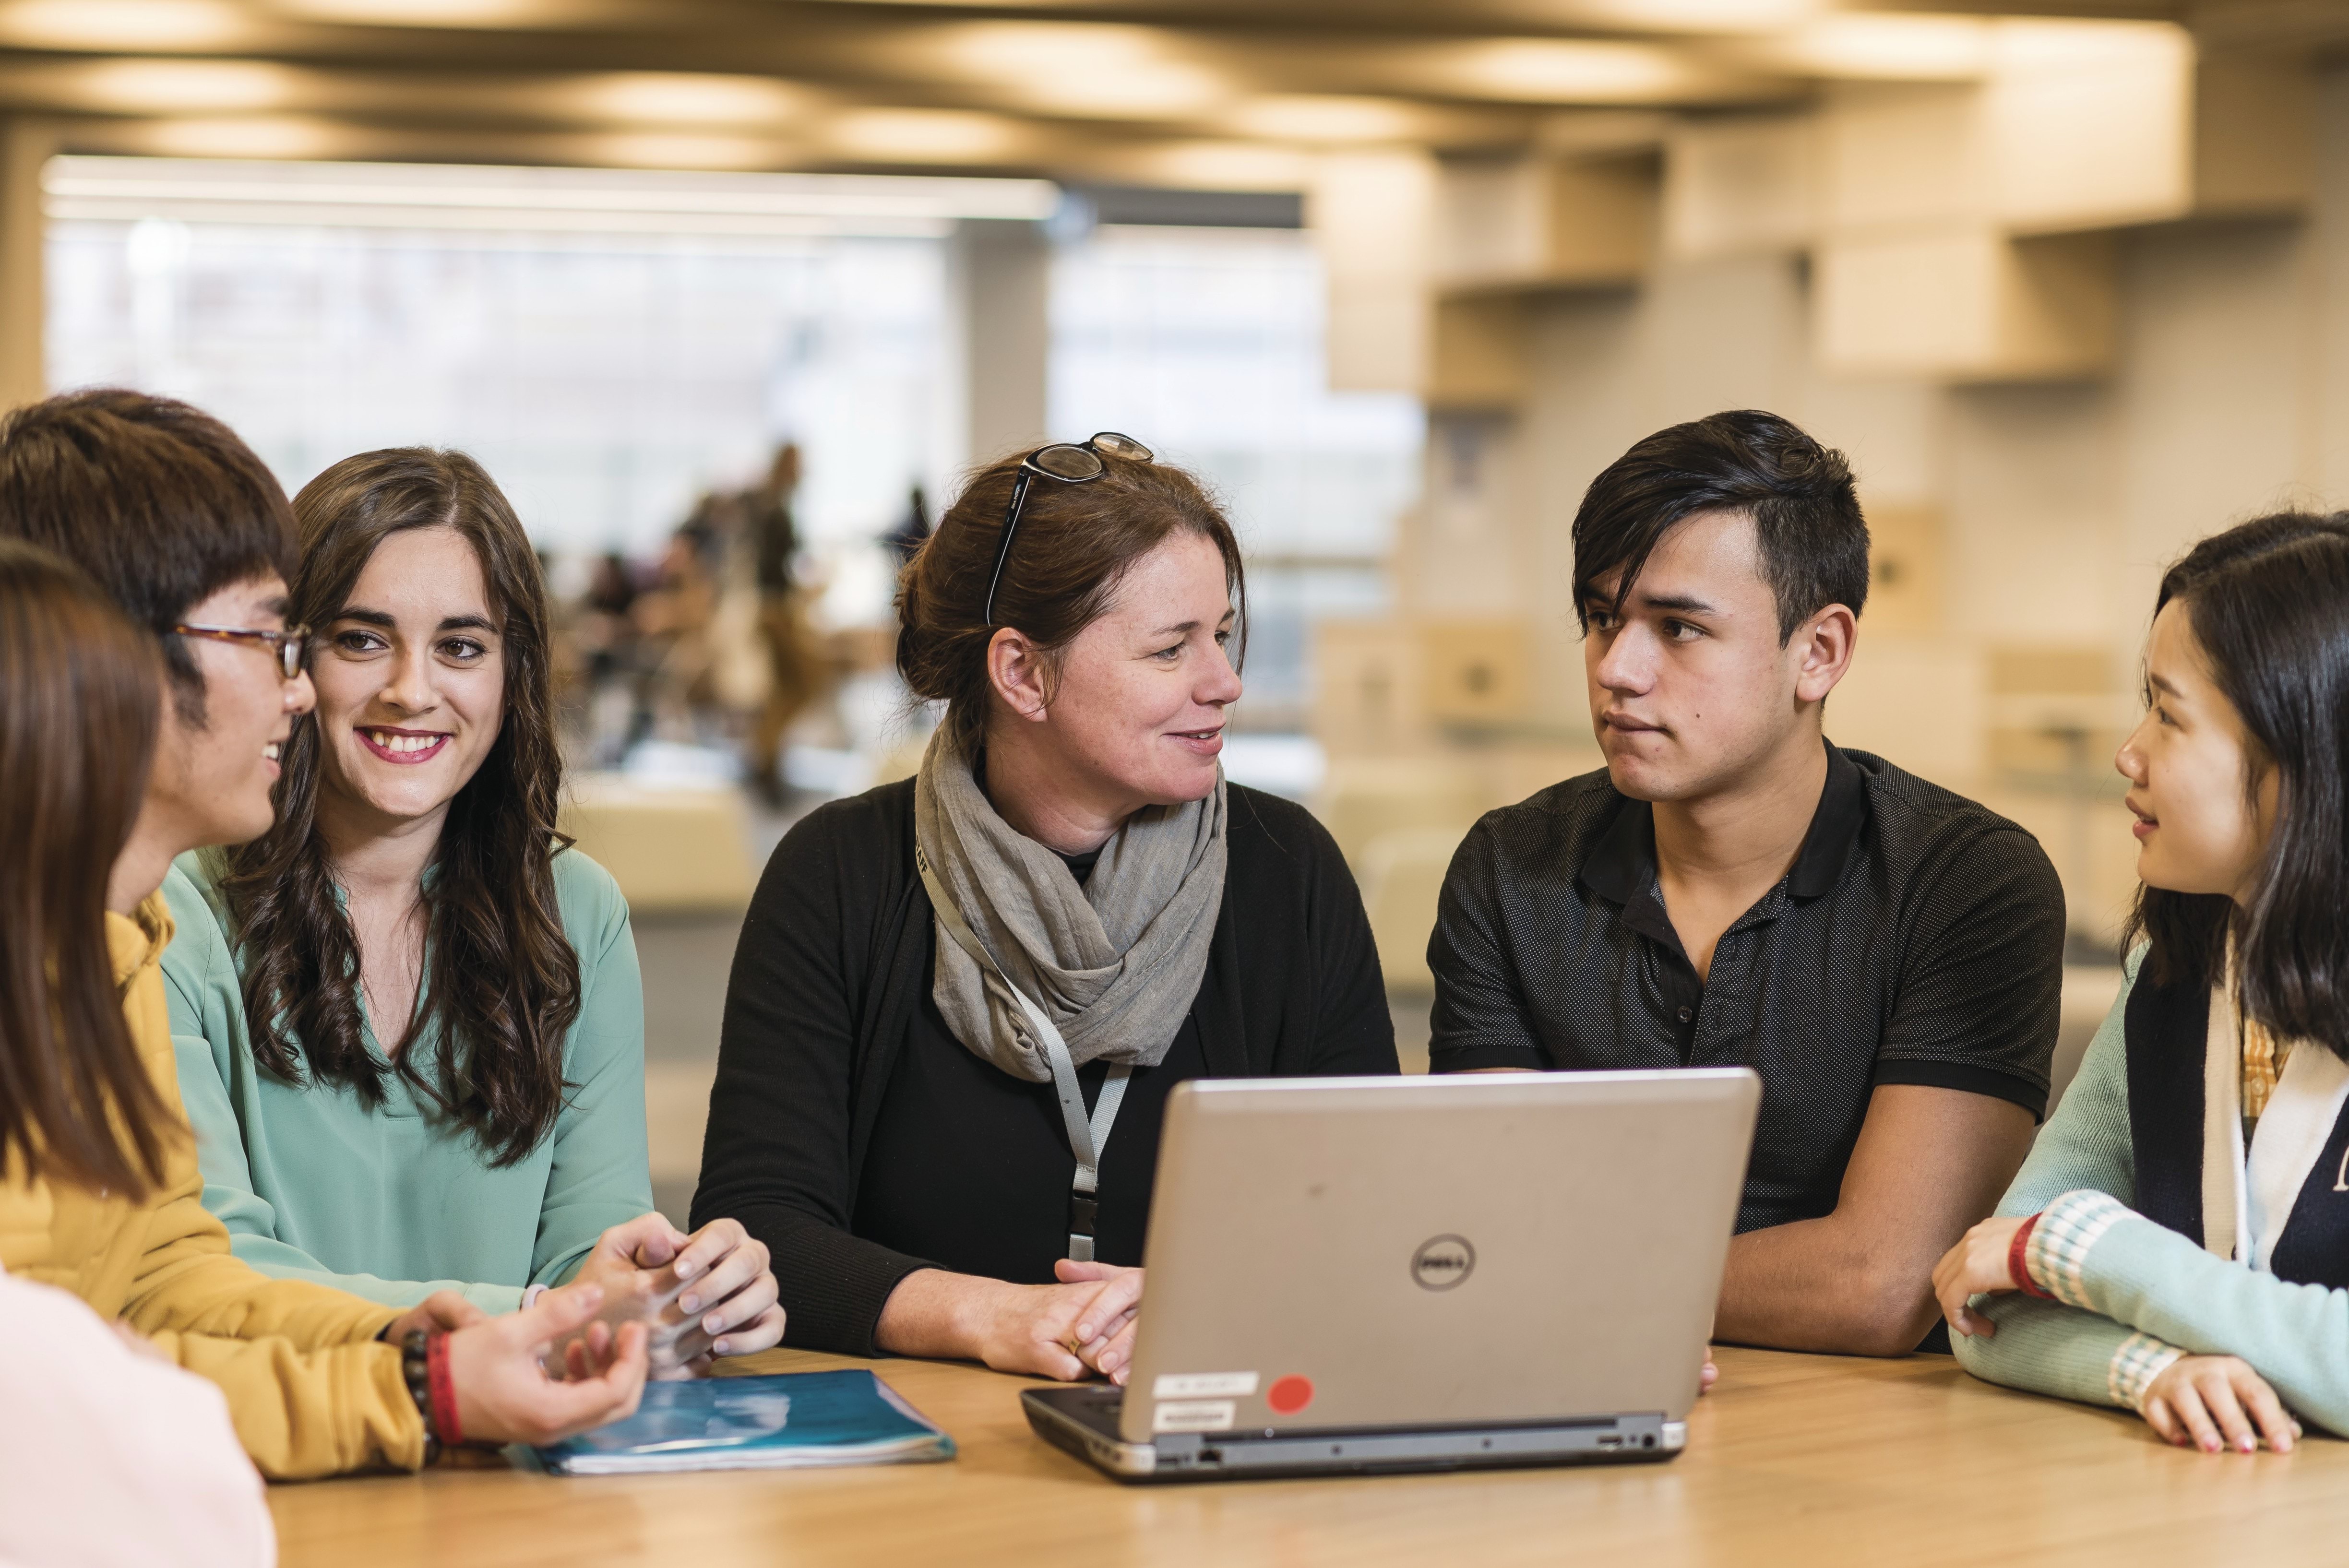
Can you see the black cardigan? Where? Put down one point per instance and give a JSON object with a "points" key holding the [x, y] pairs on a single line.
{"points": [[830, 969]]}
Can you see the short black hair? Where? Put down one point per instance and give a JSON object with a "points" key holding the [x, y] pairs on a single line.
{"points": [[1800, 495], [159, 502]]}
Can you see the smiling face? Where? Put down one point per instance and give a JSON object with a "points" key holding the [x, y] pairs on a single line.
{"points": [[210, 783], [411, 680], [1135, 716], [1692, 689], [2202, 822]]}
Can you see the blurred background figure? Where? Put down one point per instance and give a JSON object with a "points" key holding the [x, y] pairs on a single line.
{"points": [[794, 669], [911, 530]]}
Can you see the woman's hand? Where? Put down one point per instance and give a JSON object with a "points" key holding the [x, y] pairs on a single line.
{"points": [[729, 1285], [707, 1294], [1103, 1334], [1976, 1266], [2216, 1403], [1710, 1376], [1043, 1330], [503, 1393]]}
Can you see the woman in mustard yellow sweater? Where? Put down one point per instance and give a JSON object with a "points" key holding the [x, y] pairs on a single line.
{"points": [[99, 1191]]}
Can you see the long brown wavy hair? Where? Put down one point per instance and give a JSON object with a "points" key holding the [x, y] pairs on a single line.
{"points": [[501, 981], [81, 697]]}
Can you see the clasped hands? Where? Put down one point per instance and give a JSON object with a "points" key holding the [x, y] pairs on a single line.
{"points": [[2214, 1403], [648, 1301], [1083, 1325]]}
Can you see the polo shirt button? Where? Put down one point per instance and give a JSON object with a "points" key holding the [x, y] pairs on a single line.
{"points": [[1687, 1014]]}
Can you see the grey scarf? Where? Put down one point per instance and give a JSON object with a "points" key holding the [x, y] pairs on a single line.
{"points": [[1113, 964]]}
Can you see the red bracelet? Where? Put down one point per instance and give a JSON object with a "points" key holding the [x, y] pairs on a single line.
{"points": [[444, 1392], [2017, 1268]]}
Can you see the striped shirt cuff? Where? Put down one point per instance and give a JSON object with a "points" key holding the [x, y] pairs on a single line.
{"points": [[2140, 1359], [2058, 1251]]}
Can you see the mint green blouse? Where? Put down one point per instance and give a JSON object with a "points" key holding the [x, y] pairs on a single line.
{"points": [[395, 1202]]}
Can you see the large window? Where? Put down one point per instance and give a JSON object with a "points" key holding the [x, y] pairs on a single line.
{"points": [[605, 376]]}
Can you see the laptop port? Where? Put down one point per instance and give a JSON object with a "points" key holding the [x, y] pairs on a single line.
{"points": [[1211, 1456], [1611, 1442]]}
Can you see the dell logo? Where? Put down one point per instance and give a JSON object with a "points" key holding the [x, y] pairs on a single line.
{"points": [[1443, 1261]]}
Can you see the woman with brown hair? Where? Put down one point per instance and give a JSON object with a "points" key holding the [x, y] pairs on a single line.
{"points": [[80, 693], [960, 1001], [411, 1032]]}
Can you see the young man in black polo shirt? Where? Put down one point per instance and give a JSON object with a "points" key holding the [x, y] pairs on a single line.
{"points": [[1733, 889]]}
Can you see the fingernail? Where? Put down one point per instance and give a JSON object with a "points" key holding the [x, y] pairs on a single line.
{"points": [[710, 1325], [720, 1348], [691, 1303], [2247, 1445], [685, 1268]]}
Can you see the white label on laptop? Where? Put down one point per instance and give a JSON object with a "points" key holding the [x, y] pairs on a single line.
{"points": [[1202, 1386], [1194, 1416]]}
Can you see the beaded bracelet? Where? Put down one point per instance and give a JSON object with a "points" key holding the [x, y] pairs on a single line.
{"points": [[415, 1371]]}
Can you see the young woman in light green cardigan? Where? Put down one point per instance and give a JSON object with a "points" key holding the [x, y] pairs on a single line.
{"points": [[410, 1026], [2177, 1241]]}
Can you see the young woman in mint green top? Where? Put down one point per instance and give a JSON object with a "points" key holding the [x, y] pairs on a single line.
{"points": [[2177, 1241], [298, 1173], [409, 1027]]}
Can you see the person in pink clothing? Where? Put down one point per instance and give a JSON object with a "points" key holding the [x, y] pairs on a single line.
{"points": [[130, 1462]]}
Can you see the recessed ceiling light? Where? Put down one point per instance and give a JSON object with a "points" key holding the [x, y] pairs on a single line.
{"points": [[437, 13], [1313, 119], [658, 150], [1228, 166], [922, 135], [680, 98], [120, 23], [1560, 70], [1106, 71], [1688, 16], [272, 136], [1885, 47], [169, 87]]}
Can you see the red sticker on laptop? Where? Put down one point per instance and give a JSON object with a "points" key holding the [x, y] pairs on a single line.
{"points": [[1290, 1395]]}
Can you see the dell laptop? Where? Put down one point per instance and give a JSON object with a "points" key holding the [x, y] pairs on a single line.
{"points": [[1402, 1273]]}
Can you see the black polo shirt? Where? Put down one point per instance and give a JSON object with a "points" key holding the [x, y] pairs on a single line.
{"points": [[1918, 939]]}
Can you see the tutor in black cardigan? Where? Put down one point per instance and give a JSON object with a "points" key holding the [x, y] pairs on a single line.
{"points": [[830, 996]]}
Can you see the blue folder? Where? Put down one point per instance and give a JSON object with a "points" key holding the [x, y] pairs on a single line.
{"points": [[786, 1420]]}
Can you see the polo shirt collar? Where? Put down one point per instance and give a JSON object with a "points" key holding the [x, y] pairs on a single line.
{"points": [[1621, 866]]}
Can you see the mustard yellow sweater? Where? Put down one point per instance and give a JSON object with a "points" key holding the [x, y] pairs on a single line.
{"points": [[311, 1391]]}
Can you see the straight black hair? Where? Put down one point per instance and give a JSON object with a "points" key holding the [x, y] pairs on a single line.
{"points": [[1805, 511], [159, 502], [2268, 602]]}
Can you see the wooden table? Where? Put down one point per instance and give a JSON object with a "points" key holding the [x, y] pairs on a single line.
{"points": [[1804, 1461]]}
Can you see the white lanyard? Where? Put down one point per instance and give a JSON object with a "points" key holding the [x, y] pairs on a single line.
{"points": [[1087, 1138]]}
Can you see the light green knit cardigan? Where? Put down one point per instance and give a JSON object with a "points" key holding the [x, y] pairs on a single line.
{"points": [[2134, 1296]]}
